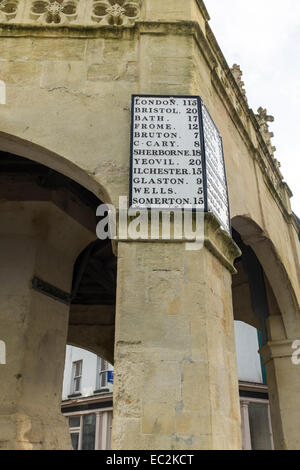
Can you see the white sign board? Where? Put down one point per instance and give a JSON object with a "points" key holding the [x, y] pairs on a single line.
{"points": [[168, 157]]}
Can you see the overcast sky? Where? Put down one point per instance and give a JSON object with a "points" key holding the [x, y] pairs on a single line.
{"points": [[263, 37]]}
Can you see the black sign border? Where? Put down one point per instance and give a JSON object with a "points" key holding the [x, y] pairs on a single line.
{"points": [[224, 166], [203, 156]]}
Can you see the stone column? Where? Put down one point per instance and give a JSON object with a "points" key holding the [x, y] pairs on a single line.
{"points": [[98, 431], [36, 239], [175, 379], [246, 436], [283, 375]]}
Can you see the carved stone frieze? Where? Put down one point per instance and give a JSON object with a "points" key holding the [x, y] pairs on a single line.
{"points": [[237, 73], [263, 119], [54, 12], [117, 13], [8, 10]]}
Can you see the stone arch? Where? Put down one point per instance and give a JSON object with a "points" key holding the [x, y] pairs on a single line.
{"points": [[93, 339], [24, 148], [92, 312], [87, 334], [275, 271], [47, 219]]}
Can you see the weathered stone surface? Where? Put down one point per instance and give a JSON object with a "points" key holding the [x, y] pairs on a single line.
{"points": [[34, 326], [183, 369]]}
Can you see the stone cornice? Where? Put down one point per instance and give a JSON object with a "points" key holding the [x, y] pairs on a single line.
{"points": [[63, 31], [238, 101], [203, 10], [245, 121], [220, 243], [214, 238], [277, 349]]}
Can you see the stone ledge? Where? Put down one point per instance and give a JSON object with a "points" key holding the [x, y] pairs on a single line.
{"points": [[154, 27], [101, 391], [215, 239], [75, 395], [220, 243], [277, 349]]}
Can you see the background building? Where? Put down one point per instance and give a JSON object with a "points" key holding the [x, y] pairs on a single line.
{"points": [[87, 398], [254, 398]]}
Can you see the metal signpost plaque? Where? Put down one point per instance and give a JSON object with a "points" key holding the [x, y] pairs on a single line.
{"points": [[177, 157]]}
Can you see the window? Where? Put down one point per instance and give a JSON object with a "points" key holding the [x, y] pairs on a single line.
{"points": [[109, 430], [74, 425], [76, 377], [88, 432], [75, 440], [91, 431], [74, 421], [256, 424], [83, 431], [102, 373]]}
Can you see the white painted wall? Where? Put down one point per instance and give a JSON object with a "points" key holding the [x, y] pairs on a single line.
{"points": [[248, 358], [89, 372]]}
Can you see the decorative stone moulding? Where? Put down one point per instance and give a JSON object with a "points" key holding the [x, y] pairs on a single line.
{"points": [[116, 13], [56, 12], [8, 10], [263, 119]]}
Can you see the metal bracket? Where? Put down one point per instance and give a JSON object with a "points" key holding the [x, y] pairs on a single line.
{"points": [[51, 291]]}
